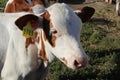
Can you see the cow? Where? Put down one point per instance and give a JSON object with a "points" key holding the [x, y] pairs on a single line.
{"points": [[30, 42], [34, 6], [117, 5]]}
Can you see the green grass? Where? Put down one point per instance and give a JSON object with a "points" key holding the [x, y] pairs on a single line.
{"points": [[2, 5], [101, 41]]}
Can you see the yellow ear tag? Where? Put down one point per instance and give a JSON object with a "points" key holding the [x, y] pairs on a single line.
{"points": [[28, 31]]}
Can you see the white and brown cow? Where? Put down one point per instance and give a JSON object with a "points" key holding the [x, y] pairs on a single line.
{"points": [[29, 43], [34, 6]]}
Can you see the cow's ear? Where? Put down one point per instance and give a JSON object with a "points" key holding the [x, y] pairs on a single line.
{"points": [[85, 13], [25, 20]]}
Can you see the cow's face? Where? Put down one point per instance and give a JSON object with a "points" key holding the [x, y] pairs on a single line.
{"points": [[63, 35]]}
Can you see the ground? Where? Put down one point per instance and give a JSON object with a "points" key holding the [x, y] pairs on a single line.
{"points": [[105, 14]]}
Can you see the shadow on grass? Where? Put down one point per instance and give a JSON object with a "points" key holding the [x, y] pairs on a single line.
{"points": [[100, 21], [102, 53], [73, 77]]}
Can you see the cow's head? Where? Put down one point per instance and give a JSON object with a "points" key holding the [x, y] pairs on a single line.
{"points": [[57, 36], [62, 27]]}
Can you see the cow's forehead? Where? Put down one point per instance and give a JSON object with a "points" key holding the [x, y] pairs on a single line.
{"points": [[63, 17]]}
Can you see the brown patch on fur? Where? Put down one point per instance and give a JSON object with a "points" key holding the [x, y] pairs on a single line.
{"points": [[53, 40], [51, 25], [18, 6], [32, 40], [46, 15], [29, 41], [42, 51], [22, 5], [36, 2], [47, 26], [45, 37], [36, 38]]}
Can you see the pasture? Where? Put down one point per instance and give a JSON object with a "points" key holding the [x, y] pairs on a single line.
{"points": [[101, 41]]}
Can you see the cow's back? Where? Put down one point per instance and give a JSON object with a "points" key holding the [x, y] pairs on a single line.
{"points": [[4, 39], [6, 22]]}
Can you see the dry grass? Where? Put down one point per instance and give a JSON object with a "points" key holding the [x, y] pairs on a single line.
{"points": [[105, 16]]}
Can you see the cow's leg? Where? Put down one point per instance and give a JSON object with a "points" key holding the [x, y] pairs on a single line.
{"points": [[107, 1], [9, 71], [110, 1], [118, 7]]}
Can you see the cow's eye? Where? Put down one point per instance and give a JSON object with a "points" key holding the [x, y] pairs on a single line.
{"points": [[53, 31]]}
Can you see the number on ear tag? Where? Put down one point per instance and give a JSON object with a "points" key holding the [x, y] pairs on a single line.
{"points": [[28, 31]]}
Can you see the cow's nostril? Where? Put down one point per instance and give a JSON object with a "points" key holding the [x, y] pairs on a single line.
{"points": [[77, 64]]}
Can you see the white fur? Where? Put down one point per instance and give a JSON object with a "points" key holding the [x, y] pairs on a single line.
{"points": [[9, 1], [77, 11], [16, 60], [38, 9]]}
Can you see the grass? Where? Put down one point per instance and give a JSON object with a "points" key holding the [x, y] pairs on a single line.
{"points": [[100, 39], [2, 5]]}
